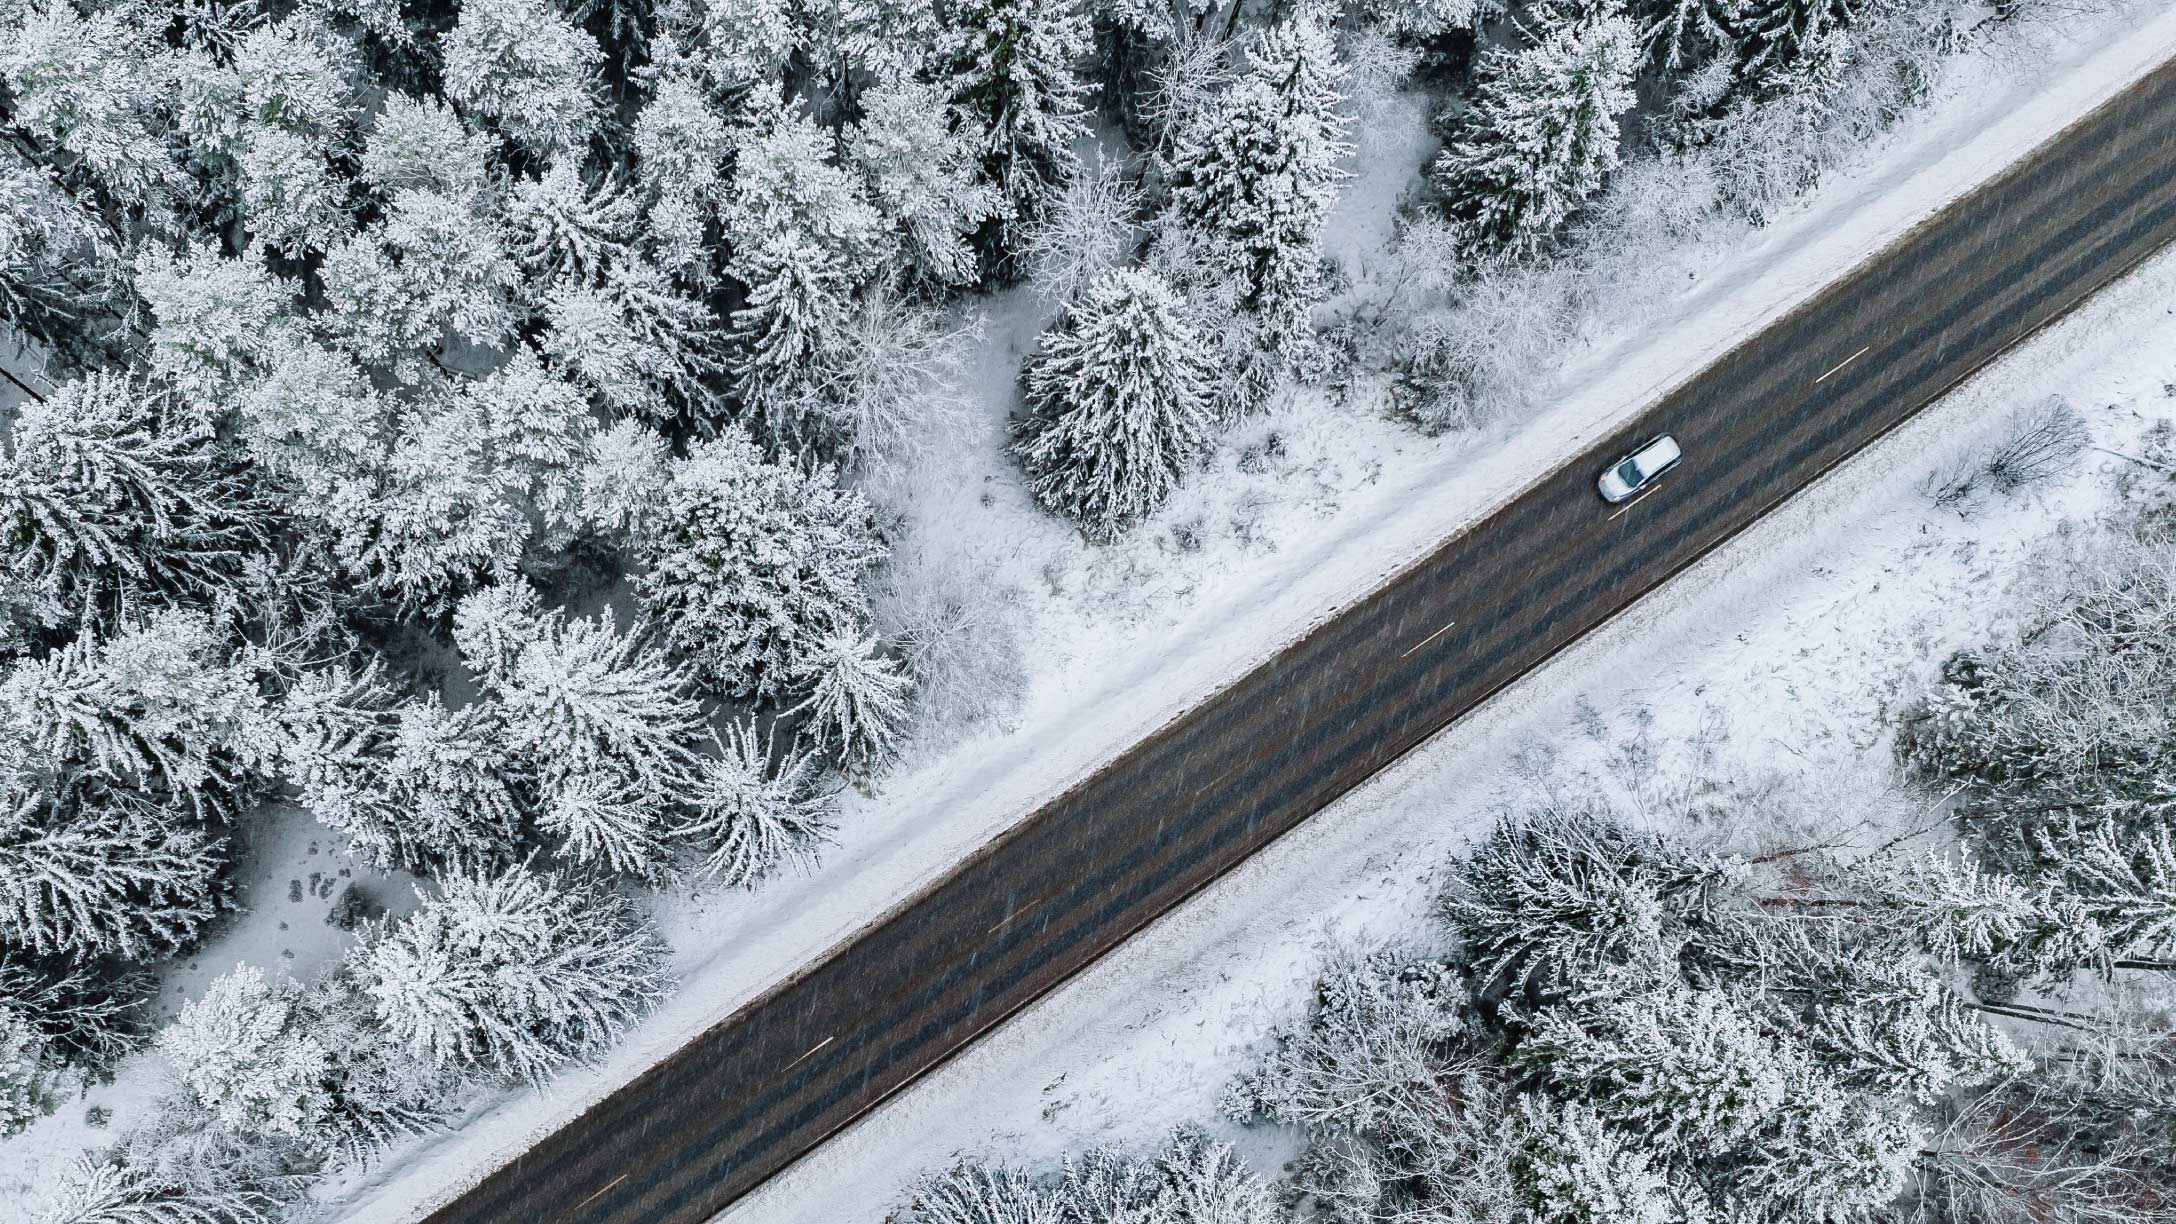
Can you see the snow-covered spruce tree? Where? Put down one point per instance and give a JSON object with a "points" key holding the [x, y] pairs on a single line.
{"points": [[475, 468], [856, 708], [59, 277], [637, 343], [97, 1189], [517, 975], [87, 85], [315, 427], [756, 809], [606, 722], [89, 869], [84, 1018], [163, 706], [218, 323], [924, 173], [111, 503], [1682, 1067], [805, 239], [1118, 399], [242, 1061], [754, 564], [681, 145], [527, 69], [418, 144], [438, 260], [29, 1078], [1012, 66], [410, 783], [567, 229], [1784, 43], [1542, 136], [1258, 172]]}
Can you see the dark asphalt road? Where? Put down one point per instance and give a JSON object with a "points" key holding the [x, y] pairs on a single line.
{"points": [[1202, 793]]}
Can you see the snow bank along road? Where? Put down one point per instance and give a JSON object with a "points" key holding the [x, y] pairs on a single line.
{"points": [[1202, 793]]}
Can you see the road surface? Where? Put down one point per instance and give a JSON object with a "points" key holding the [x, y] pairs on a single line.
{"points": [[1205, 791]]}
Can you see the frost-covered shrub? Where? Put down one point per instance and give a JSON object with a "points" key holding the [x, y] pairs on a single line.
{"points": [[959, 636], [1191, 1179]]}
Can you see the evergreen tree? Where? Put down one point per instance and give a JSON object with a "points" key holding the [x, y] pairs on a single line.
{"points": [[418, 144], [856, 704], [755, 564], [522, 65], [89, 84], [1012, 67], [1258, 172], [756, 814], [1783, 43], [636, 343], [923, 171], [566, 230], [1543, 135], [437, 261], [90, 870], [516, 975], [218, 323], [111, 504], [159, 706], [1118, 397], [1686, 1068], [681, 147], [241, 1059]]}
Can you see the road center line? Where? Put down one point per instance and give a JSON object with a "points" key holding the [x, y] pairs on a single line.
{"points": [[811, 1050], [600, 1190], [1846, 361], [1430, 638]]}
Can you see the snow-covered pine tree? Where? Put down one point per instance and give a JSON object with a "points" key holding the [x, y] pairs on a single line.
{"points": [[1684, 1068], [623, 481], [163, 706], [754, 564], [1012, 66], [97, 1189], [89, 869], [568, 230], [923, 170], [757, 810], [1258, 172], [682, 146], [856, 707], [1543, 133], [522, 65], [112, 503], [605, 721], [1118, 398], [315, 426], [58, 273], [217, 323], [245, 1064], [517, 975], [1571, 1168]]}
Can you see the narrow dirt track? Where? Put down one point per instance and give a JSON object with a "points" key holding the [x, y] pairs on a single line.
{"points": [[1202, 793]]}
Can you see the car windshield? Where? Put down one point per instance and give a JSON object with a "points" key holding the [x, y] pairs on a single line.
{"points": [[1629, 472]]}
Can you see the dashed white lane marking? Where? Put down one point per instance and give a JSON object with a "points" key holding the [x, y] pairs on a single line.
{"points": [[1430, 638], [811, 1050], [1846, 361]]}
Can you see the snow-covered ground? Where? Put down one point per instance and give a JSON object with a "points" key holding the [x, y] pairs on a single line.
{"points": [[1122, 638], [1793, 644]]}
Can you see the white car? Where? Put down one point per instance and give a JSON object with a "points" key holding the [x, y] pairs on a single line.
{"points": [[1624, 479]]}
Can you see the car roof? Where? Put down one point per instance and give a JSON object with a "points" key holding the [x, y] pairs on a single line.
{"points": [[1663, 448]]}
